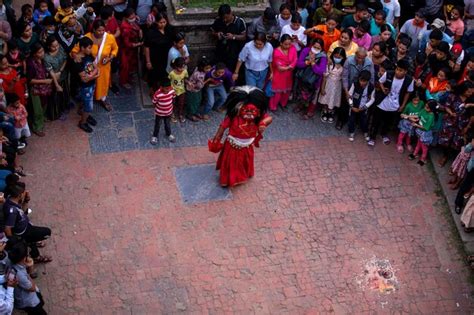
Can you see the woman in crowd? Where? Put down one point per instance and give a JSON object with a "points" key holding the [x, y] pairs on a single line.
{"points": [[345, 41], [104, 50], [257, 56], [56, 60], [27, 38], [158, 41], [40, 87], [284, 61]]}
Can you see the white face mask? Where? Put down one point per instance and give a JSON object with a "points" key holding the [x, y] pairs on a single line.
{"points": [[315, 51], [337, 60]]}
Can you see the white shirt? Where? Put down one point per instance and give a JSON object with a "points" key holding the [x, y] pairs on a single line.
{"points": [[299, 34], [256, 59], [391, 102], [392, 9], [6, 300], [282, 22]]}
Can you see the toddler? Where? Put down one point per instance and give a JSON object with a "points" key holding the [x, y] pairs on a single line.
{"points": [[436, 86], [177, 77], [163, 101], [40, 13], [194, 86], [20, 115], [409, 116]]}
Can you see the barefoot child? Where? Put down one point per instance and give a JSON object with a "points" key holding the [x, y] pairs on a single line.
{"points": [[163, 101]]}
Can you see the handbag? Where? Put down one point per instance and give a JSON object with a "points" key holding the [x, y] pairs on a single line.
{"points": [[306, 76]]}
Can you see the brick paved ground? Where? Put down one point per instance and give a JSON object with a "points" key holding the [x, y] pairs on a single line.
{"points": [[294, 240]]}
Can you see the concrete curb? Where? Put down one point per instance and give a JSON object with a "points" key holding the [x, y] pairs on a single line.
{"points": [[443, 177]]}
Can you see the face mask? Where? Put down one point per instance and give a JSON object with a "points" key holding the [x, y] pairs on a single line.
{"points": [[50, 31], [337, 60], [131, 20], [315, 51]]}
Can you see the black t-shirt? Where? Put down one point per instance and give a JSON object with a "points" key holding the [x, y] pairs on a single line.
{"points": [[228, 50], [85, 65]]}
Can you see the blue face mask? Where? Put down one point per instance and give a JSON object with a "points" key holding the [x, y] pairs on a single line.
{"points": [[337, 60]]}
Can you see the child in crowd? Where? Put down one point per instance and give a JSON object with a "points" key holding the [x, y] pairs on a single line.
{"points": [[362, 96], [48, 29], [16, 59], [163, 101], [455, 22], [19, 113], [65, 10], [150, 19], [436, 86], [131, 38], [331, 87], [40, 13], [179, 49], [194, 86], [396, 87], [423, 131], [177, 77], [85, 66], [409, 115], [284, 18], [217, 79]]}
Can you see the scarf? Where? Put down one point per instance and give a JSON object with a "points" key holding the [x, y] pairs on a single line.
{"points": [[436, 86]]}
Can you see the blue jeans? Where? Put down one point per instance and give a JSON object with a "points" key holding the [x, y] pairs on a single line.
{"points": [[87, 97], [256, 78], [212, 101]]}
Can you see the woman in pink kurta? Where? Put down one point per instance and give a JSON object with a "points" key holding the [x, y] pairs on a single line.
{"points": [[284, 61]]}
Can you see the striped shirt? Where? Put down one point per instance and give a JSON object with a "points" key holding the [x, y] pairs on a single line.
{"points": [[163, 102]]}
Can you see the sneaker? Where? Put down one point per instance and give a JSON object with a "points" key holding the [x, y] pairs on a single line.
{"points": [[86, 128], [171, 138], [351, 137], [173, 119], [411, 156], [386, 140], [182, 119], [154, 140], [371, 143], [400, 149], [421, 162], [91, 121], [324, 117], [21, 146], [331, 118], [366, 136], [409, 148]]}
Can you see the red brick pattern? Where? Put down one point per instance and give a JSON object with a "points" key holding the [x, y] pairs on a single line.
{"points": [[293, 240]]}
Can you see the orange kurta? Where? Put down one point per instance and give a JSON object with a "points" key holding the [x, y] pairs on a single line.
{"points": [[110, 50]]}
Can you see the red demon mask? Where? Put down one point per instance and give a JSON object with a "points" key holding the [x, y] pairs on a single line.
{"points": [[249, 112]]}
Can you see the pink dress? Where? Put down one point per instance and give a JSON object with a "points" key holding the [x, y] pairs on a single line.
{"points": [[459, 166], [283, 80]]}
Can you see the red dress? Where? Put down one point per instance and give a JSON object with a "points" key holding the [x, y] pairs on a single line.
{"points": [[236, 164]]}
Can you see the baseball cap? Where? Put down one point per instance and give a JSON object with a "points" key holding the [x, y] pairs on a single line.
{"points": [[438, 23]]}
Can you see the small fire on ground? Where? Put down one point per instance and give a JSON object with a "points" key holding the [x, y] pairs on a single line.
{"points": [[378, 275]]}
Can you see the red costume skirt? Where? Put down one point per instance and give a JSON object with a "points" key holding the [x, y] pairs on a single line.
{"points": [[235, 165]]}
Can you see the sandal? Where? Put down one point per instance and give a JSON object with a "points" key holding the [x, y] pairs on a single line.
{"points": [[42, 259], [19, 171]]}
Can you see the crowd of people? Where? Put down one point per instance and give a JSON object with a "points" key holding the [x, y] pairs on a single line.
{"points": [[398, 71]]}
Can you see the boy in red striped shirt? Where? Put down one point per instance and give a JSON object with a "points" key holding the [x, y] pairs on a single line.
{"points": [[163, 101]]}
